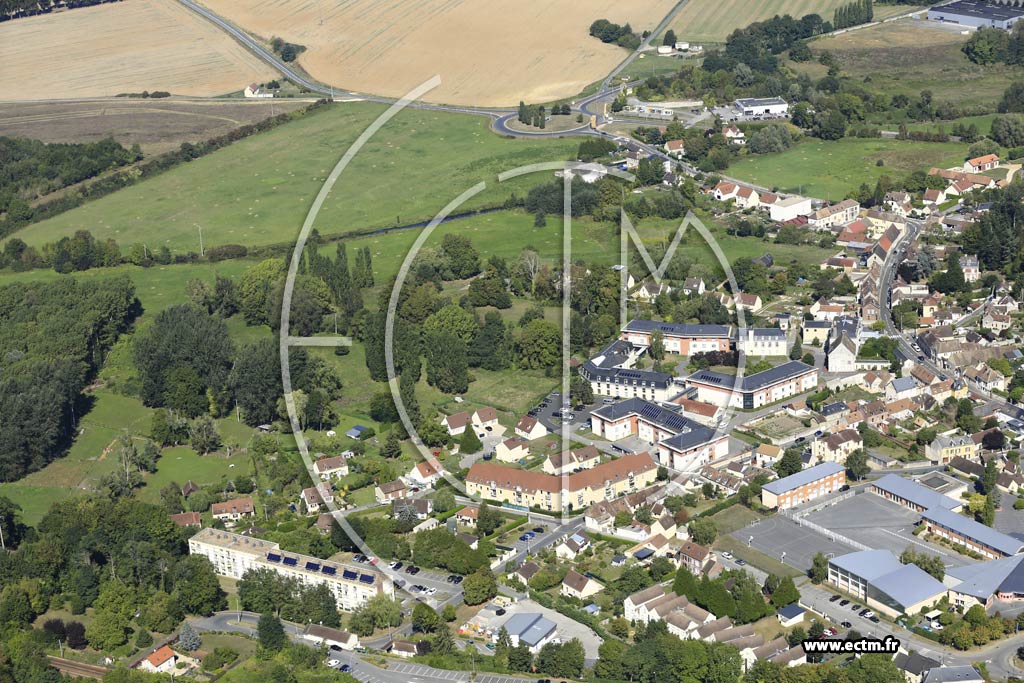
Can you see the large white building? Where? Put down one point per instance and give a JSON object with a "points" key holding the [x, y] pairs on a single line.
{"points": [[754, 391], [232, 555], [762, 341], [761, 106]]}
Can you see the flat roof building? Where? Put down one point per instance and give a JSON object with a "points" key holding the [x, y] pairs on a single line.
{"points": [[531, 629], [757, 106], [232, 555], [803, 486], [977, 13]]}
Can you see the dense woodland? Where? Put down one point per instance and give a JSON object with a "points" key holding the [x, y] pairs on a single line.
{"points": [[32, 169], [53, 338], [13, 9]]}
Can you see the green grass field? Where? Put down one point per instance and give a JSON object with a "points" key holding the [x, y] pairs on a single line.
{"points": [[910, 56], [984, 124], [828, 170], [258, 190], [711, 21]]}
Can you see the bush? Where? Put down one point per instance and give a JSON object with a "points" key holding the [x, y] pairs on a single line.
{"points": [[226, 251]]}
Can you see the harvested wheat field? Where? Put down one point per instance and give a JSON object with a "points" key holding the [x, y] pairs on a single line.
{"points": [[488, 53], [123, 47], [156, 125]]}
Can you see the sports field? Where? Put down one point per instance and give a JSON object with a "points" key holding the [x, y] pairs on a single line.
{"points": [[487, 53], [711, 21], [122, 47], [909, 56], [828, 170], [258, 190]]}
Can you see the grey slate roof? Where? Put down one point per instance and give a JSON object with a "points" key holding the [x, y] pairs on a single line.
{"points": [[977, 531], [953, 674], [917, 494], [825, 469], [753, 382], [668, 419], [901, 384], [867, 564], [909, 585], [678, 330]]}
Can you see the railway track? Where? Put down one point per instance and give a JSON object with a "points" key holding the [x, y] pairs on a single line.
{"points": [[78, 669]]}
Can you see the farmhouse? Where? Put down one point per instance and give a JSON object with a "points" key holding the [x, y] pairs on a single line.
{"points": [[233, 554], [754, 391], [803, 486], [678, 338]]}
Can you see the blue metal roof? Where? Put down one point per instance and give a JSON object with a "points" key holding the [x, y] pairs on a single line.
{"points": [[1008, 545], [825, 469], [919, 495], [867, 564], [909, 585]]}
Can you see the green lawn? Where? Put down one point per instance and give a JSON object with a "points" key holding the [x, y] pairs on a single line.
{"points": [[181, 463], [911, 56], [829, 170], [705, 21], [984, 124], [258, 190]]}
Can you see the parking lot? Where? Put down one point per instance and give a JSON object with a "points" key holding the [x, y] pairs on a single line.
{"points": [[880, 524], [420, 670], [581, 417]]}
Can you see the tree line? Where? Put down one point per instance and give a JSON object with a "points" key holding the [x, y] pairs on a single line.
{"points": [[852, 14], [53, 338], [30, 169], [15, 9], [990, 45], [20, 213], [609, 32]]}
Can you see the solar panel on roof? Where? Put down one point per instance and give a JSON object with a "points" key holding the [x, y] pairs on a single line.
{"points": [[329, 570], [349, 574], [273, 557], [313, 566], [291, 561], [366, 578]]}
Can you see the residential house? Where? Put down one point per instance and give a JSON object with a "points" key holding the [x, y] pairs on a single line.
{"points": [[331, 468], [187, 519], [163, 660], [560, 462], [530, 428], [456, 424], [485, 417], [988, 379], [675, 148], [572, 546], [946, 447], [420, 508], [899, 203], [649, 290], [406, 649], [981, 164], [903, 387], [725, 191], [389, 491], [316, 496], [747, 198], [525, 571], [234, 509], [511, 450], [996, 322], [837, 214], [749, 302], [468, 515], [734, 135], [914, 666], [693, 557], [576, 585], [836, 447], [424, 474], [331, 637], [933, 197], [693, 286], [972, 269]]}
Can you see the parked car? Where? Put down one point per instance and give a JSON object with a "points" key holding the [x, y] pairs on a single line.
{"points": [[740, 561], [344, 668], [524, 537], [834, 598], [846, 624], [727, 555], [874, 620], [844, 603], [538, 529], [333, 663]]}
